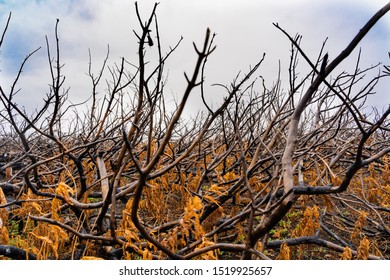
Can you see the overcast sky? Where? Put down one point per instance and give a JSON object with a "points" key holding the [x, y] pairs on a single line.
{"points": [[244, 32]]}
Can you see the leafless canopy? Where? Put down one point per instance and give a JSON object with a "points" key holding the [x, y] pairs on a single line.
{"points": [[267, 168]]}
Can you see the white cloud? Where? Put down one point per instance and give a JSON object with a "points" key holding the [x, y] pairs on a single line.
{"points": [[244, 31]]}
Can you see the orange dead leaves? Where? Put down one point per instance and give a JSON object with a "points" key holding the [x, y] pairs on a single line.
{"points": [[363, 249], [309, 224], [4, 237], [190, 223], [359, 224], [284, 253], [347, 254]]}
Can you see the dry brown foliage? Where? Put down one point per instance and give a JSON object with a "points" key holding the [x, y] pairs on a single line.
{"points": [[296, 173]]}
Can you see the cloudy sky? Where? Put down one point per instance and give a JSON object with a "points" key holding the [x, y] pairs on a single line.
{"points": [[244, 32]]}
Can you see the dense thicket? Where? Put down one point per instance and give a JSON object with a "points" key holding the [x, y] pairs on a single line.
{"points": [[301, 172]]}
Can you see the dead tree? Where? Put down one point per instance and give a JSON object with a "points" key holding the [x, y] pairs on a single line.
{"points": [[126, 178]]}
